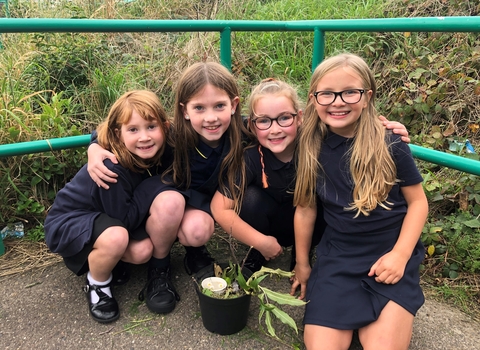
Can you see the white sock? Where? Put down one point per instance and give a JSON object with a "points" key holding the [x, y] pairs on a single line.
{"points": [[94, 297]]}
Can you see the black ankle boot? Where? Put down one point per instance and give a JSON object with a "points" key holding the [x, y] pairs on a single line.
{"points": [[196, 258], [255, 260], [106, 309], [159, 293]]}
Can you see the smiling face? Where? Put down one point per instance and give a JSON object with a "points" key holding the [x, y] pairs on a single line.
{"points": [[141, 137], [210, 113], [341, 117], [278, 139]]}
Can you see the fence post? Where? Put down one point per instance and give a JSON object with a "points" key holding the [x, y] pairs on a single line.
{"points": [[226, 48], [318, 47]]}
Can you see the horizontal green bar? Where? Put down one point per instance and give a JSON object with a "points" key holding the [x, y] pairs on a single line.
{"points": [[419, 24], [17, 149], [413, 24], [441, 158], [446, 159]]}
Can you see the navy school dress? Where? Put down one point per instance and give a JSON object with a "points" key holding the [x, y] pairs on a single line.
{"points": [[340, 293], [270, 210]]}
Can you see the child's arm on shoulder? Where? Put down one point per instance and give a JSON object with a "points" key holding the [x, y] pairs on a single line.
{"points": [[396, 127], [224, 214], [99, 173], [390, 267], [304, 223]]}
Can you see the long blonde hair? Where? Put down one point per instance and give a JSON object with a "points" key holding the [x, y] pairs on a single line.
{"points": [[192, 81], [149, 107], [372, 167]]}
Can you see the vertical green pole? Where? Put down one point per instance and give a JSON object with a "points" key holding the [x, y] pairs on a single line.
{"points": [[226, 48], [318, 47]]}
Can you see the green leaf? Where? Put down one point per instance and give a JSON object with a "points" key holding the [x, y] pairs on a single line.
{"points": [[241, 280], [268, 322], [253, 283], [266, 270], [35, 180], [452, 274], [285, 318], [283, 298], [472, 223], [261, 312], [207, 292]]}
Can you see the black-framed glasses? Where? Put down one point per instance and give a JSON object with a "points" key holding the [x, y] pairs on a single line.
{"points": [[284, 120], [351, 96]]}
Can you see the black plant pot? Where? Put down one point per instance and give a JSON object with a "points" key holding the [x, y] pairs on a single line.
{"points": [[223, 316]]}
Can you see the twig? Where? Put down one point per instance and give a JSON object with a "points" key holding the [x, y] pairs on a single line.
{"points": [[107, 331], [246, 256], [32, 284], [230, 245], [137, 323], [127, 329]]}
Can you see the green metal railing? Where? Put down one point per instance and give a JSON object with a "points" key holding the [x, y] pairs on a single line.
{"points": [[225, 28]]}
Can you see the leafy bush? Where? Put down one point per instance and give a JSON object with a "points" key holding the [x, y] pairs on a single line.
{"points": [[453, 244]]}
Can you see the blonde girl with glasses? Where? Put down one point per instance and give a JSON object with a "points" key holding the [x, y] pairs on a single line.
{"points": [[366, 275]]}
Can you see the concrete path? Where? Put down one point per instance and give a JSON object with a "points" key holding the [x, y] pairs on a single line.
{"points": [[46, 309]]}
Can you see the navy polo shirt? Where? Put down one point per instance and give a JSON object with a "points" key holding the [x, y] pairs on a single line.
{"points": [[335, 186], [204, 169], [280, 175]]}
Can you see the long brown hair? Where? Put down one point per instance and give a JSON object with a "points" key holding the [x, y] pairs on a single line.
{"points": [[149, 107], [192, 81], [371, 165]]}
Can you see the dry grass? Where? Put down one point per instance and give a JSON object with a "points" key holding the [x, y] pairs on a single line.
{"points": [[23, 256]]}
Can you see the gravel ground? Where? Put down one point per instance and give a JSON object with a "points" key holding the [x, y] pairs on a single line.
{"points": [[46, 309]]}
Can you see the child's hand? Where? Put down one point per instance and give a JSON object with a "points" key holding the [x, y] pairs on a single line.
{"points": [[270, 248], [302, 273], [396, 127], [389, 268], [95, 167]]}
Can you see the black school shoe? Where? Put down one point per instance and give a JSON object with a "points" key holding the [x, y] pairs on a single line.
{"points": [[159, 293], [196, 258], [106, 309], [255, 260]]}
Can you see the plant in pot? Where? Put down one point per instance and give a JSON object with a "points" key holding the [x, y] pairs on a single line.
{"points": [[225, 292]]}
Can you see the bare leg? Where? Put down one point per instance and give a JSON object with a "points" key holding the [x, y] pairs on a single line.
{"points": [[107, 252], [196, 228], [166, 214], [392, 330], [138, 252], [319, 337]]}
